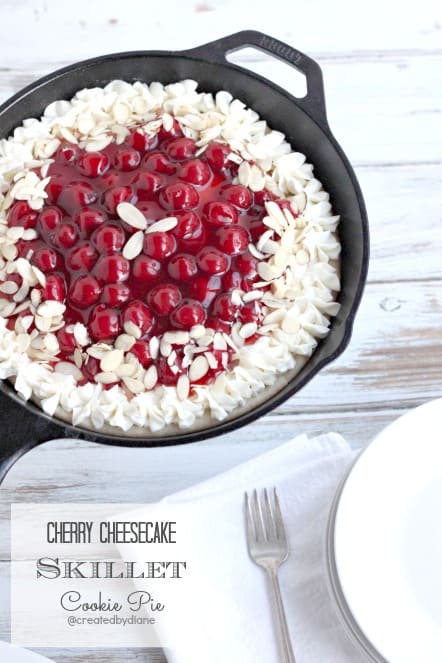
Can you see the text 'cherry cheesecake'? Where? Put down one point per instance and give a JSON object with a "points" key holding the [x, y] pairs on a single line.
{"points": [[165, 257]]}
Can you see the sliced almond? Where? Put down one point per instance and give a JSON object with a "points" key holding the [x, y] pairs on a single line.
{"points": [[177, 337], [251, 296], [111, 360], [266, 271], [134, 246], [165, 347], [219, 342], [151, 377], [163, 225], [78, 357], [135, 386], [248, 329], [132, 215], [131, 329], [198, 368], [124, 342], [9, 287], [50, 308], [183, 387], [213, 362], [106, 378], [126, 370], [66, 368], [171, 358], [197, 331], [255, 253], [154, 347]]}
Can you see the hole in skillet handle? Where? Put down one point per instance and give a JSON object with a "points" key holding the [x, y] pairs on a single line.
{"points": [[21, 429], [314, 100]]}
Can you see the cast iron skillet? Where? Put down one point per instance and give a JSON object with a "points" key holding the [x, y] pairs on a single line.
{"points": [[23, 425]]}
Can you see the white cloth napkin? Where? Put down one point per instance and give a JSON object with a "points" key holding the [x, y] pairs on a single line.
{"points": [[228, 618]]}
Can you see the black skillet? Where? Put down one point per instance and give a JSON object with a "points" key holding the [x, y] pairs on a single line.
{"points": [[22, 424]]}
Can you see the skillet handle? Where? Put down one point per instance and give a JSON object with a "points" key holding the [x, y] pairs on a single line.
{"points": [[21, 430], [314, 101]]}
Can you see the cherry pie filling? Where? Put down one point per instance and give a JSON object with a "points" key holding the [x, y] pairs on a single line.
{"points": [[183, 277]]}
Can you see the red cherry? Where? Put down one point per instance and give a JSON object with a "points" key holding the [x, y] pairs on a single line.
{"points": [[140, 315], [75, 195], [118, 194], [238, 195], [220, 213], [20, 214], [109, 238], [141, 351], [49, 218], [54, 189], [115, 294], [224, 308], [164, 298], [140, 141], [196, 243], [247, 265], [217, 155], [65, 235], [45, 259], [55, 288], [89, 218], [174, 132], [159, 245], [231, 280], [83, 257], [195, 172], [204, 288], [145, 268], [212, 261], [66, 341], [188, 226], [218, 325], [182, 267], [165, 374], [188, 314], [179, 196], [85, 291], [262, 197], [104, 323], [66, 153], [90, 369], [251, 312], [112, 269], [159, 162], [233, 240], [146, 184], [93, 164], [126, 158], [181, 148], [283, 203], [257, 228], [111, 179]]}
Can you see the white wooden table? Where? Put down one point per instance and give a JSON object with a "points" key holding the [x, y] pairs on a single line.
{"points": [[382, 64]]}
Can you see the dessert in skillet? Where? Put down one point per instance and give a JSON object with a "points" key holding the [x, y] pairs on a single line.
{"points": [[164, 257]]}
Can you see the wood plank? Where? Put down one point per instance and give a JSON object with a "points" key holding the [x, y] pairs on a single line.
{"points": [[316, 27], [368, 111]]}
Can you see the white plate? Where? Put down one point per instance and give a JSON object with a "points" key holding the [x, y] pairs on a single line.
{"points": [[10, 654], [388, 539]]}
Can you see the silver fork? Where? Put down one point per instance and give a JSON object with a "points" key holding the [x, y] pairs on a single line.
{"points": [[269, 548]]}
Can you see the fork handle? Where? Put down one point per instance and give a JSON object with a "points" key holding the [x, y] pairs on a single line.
{"points": [[285, 645]]}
